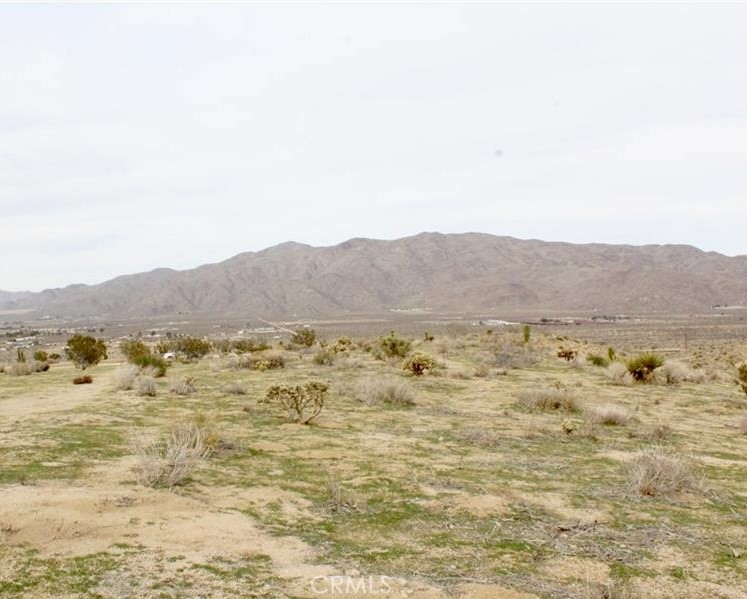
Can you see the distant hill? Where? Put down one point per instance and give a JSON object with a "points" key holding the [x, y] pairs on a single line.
{"points": [[460, 273]]}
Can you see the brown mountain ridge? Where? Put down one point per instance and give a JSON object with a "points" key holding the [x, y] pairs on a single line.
{"points": [[452, 273]]}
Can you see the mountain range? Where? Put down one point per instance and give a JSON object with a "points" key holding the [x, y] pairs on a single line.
{"points": [[466, 273]]}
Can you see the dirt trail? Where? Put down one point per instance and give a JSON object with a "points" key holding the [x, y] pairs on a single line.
{"points": [[46, 400]]}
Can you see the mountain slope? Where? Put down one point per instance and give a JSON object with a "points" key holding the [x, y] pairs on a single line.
{"points": [[451, 273]]}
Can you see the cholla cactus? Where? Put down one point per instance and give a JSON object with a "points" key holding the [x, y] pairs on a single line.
{"points": [[302, 403]]}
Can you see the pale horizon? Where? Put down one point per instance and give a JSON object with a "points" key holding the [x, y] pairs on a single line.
{"points": [[135, 137]]}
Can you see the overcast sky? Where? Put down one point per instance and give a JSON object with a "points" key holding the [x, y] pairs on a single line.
{"points": [[139, 136]]}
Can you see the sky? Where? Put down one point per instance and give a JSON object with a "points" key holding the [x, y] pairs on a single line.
{"points": [[137, 136]]}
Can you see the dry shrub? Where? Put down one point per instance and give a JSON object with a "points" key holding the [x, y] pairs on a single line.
{"points": [[146, 386], [482, 371], [86, 379], [480, 437], [612, 589], [550, 398], [656, 474], [659, 433], [676, 373], [184, 385], [19, 369], [618, 374], [151, 371], [235, 388], [460, 374], [610, 415], [38, 366], [339, 500], [387, 391], [167, 462], [124, 377], [510, 355]]}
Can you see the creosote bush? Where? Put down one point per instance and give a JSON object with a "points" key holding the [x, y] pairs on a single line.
{"points": [[85, 351], [302, 403], [133, 348], [655, 474], [418, 363]]}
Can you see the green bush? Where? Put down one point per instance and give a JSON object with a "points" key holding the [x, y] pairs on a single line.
{"points": [[41, 356], [305, 337], [134, 349], [243, 346], [159, 365], [598, 360], [742, 377], [418, 363], [526, 332], [192, 348], [85, 351], [642, 367], [394, 346]]}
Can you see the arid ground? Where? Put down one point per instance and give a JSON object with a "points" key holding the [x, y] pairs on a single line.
{"points": [[510, 474]]}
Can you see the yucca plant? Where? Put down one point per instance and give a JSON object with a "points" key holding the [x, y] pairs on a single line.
{"points": [[642, 367]]}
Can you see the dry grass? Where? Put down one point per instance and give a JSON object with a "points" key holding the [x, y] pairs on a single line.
{"points": [[169, 461], [235, 388], [610, 415], [656, 474], [390, 391], [124, 377], [743, 425], [618, 374], [24, 368], [19, 369], [551, 399], [183, 386], [146, 386], [673, 372], [609, 590]]}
